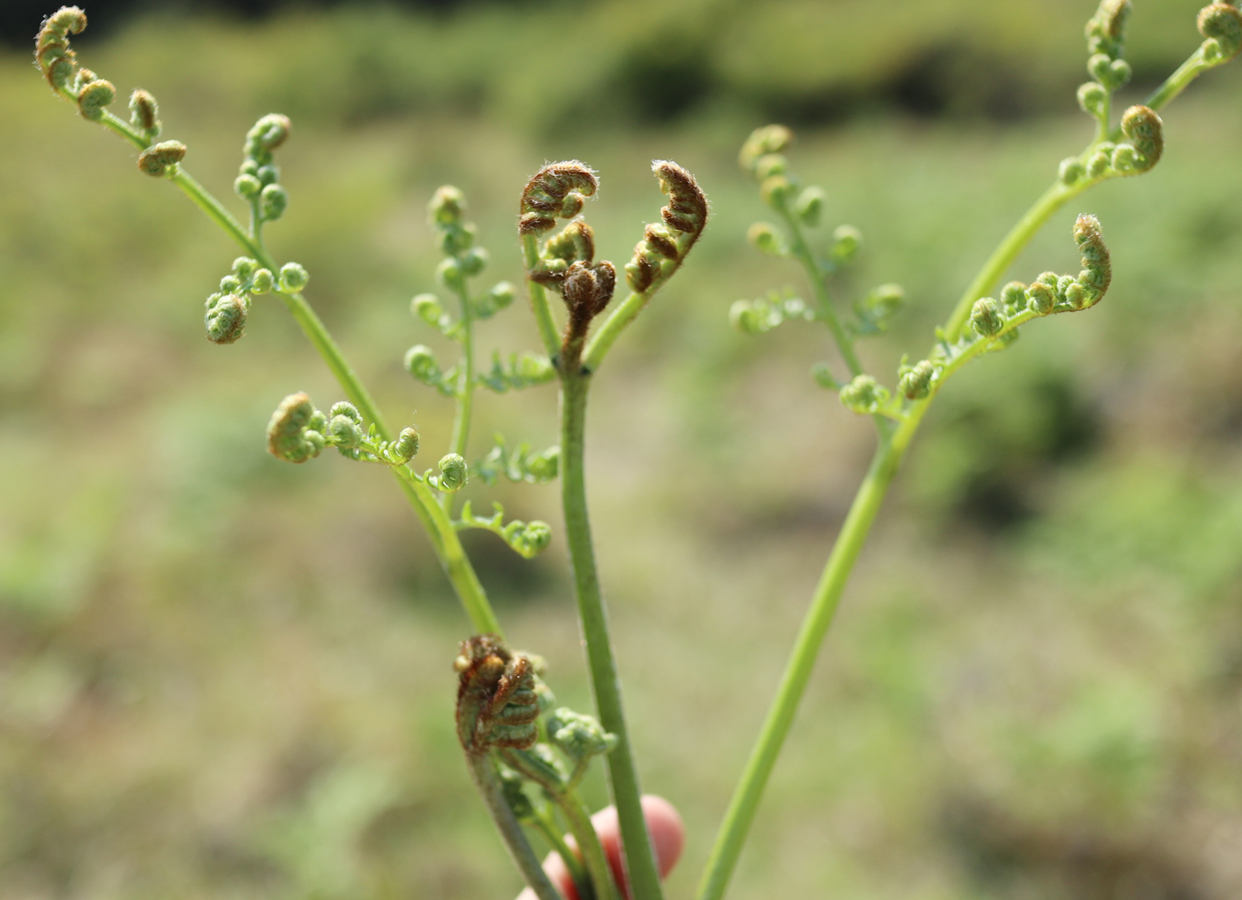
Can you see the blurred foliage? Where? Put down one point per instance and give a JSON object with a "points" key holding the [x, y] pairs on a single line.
{"points": [[223, 676]]}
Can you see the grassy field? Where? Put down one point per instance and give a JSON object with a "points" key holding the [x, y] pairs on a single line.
{"points": [[222, 676]]}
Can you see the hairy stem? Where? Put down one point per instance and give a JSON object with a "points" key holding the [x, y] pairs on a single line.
{"points": [[488, 783], [539, 299], [640, 863]]}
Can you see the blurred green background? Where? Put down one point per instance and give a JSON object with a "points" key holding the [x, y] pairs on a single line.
{"points": [[222, 676]]}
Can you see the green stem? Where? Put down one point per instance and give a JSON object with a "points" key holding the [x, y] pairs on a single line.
{"points": [[1187, 72], [823, 302], [465, 381], [539, 299], [573, 862], [640, 862], [583, 830], [510, 829], [435, 520], [1007, 251], [606, 335]]}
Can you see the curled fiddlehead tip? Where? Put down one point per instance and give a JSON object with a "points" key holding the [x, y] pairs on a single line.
{"points": [[454, 473], [158, 158], [555, 191], [144, 113], [268, 133], [762, 142], [577, 735], [1106, 30], [1221, 26], [863, 395], [916, 380], [289, 433], [1145, 134], [57, 62], [1097, 273], [94, 97], [574, 243], [497, 701], [587, 288], [225, 319], [664, 245]]}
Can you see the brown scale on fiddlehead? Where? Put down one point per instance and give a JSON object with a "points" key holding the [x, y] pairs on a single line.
{"points": [[497, 704], [665, 245], [52, 52], [555, 191]]}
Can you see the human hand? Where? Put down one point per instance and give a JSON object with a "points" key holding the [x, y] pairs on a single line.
{"points": [[668, 836]]}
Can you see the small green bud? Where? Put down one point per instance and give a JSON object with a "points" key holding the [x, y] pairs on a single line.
{"points": [[447, 206], [454, 473], [578, 736], [250, 167], [405, 447], [94, 98], [746, 318], [1111, 73], [292, 278], [449, 273], [420, 362], [346, 409], [862, 395], [1099, 162], [763, 141], [474, 262], [776, 190], [144, 113], [455, 240], [810, 206], [344, 432], [1071, 170], [502, 295], [822, 375], [1040, 298], [916, 381], [247, 186], [511, 786], [986, 317], [766, 239], [226, 319], [272, 202], [1106, 29], [1145, 132], [885, 300], [229, 284], [1075, 295], [1013, 295], [1125, 159], [846, 239], [267, 175], [157, 158], [771, 164], [1092, 97], [1097, 272], [262, 282], [244, 266], [532, 540], [427, 307]]}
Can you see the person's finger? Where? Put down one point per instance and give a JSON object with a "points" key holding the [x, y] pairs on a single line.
{"points": [[668, 836]]}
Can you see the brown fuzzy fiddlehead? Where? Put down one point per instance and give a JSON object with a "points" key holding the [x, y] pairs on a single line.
{"points": [[497, 705]]}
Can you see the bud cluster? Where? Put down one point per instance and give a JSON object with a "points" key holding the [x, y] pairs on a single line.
{"points": [[765, 313], [228, 307], [298, 432], [258, 181], [1142, 149], [1221, 27]]}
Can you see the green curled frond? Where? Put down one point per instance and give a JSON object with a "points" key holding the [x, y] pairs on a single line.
{"points": [[56, 60], [258, 178], [454, 474], [527, 539], [556, 191], [762, 142], [157, 159], [497, 701], [518, 464], [225, 319], [1221, 26], [577, 735], [1106, 30], [420, 361], [1145, 132], [573, 243], [268, 133], [520, 371], [289, 435], [765, 313], [95, 97]]}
